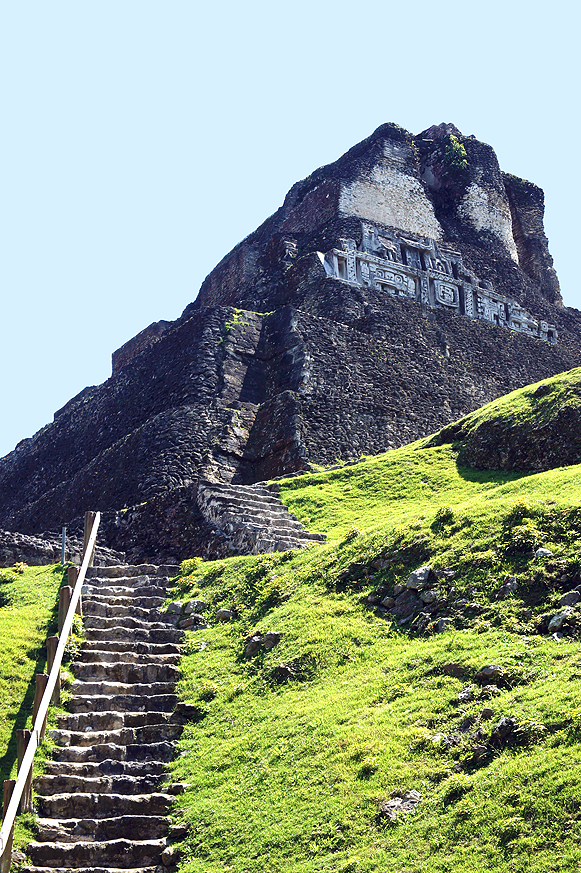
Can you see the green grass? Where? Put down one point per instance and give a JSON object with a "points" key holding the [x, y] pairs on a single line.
{"points": [[290, 775], [291, 779], [28, 596], [294, 750], [534, 404]]}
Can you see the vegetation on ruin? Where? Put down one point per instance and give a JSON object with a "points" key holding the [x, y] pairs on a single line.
{"points": [[533, 405], [297, 747], [455, 154]]}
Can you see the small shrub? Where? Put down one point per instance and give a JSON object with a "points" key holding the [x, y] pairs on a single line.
{"points": [[522, 539], [455, 788], [530, 732], [190, 565], [455, 154], [7, 576], [367, 769], [443, 518], [76, 639], [517, 513], [207, 691]]}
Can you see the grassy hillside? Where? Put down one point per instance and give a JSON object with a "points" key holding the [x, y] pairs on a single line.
{"points": [[27, 616], [299, 747], [535, 428]]}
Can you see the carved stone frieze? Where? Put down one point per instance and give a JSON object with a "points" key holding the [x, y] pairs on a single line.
{"points": [[429, 273]]}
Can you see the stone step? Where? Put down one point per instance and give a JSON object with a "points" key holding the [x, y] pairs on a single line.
{"points": [[225, 502], [128, 672], [130, 571], [158, 752], [283, 525], [122, 611], [242, 492], [103, 805], [108, 650], [104, 688], [153, 620], [113, 853], [93, 869], [132, 827], [47, 785], [101, 799], [142, 601], [122, 702], [125, 736], [279, 544], [84, 722], [132, 586], [146, 590], [107, 767], [125, 635]]}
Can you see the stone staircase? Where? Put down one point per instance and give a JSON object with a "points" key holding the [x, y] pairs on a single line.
{"points": [[253, 519], [103, 802]]}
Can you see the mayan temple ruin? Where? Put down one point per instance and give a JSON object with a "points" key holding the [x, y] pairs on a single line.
{"points": [[395, 290]]}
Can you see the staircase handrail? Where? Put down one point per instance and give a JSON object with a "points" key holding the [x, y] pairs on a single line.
{"points": [[34, 742]]}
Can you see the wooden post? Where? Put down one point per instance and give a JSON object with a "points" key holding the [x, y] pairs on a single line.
{"points": [[89, 519], [51, 647], [22, 738], [65, 595], [72, 575], [6, 859], [41, 682]]}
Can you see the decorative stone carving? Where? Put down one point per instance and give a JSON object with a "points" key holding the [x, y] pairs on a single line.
{"points": [[447, 294], [468, 294], [428, 272]]}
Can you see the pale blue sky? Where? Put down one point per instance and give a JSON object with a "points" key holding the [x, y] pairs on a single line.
{"points": [[142, 140]]}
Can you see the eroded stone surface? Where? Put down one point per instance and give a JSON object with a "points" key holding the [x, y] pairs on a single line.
{"points": [[288, 358], [103, 800]]}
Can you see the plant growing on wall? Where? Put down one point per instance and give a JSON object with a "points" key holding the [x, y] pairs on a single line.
{"points": [[455, 154]]}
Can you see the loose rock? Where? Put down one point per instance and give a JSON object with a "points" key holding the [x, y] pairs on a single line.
{"points": [[270, 640], [570, 598], [170, 856], [400, 805], [559, 619], [502, 731], [490, 673], [418, 577], [429, 595], [252, 645], [508, 587], [195, 606]]}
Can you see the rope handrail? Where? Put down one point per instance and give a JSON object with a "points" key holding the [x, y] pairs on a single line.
{"points": [[33, 743]]}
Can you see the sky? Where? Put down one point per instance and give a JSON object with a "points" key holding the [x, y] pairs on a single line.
{"points": [[142, 140]]}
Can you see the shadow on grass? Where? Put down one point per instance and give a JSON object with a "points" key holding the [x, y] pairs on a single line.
{"points": [[497, 477], [25, 709]]}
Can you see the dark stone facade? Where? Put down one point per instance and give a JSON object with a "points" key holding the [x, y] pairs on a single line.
{"points": [[277, 364]]}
